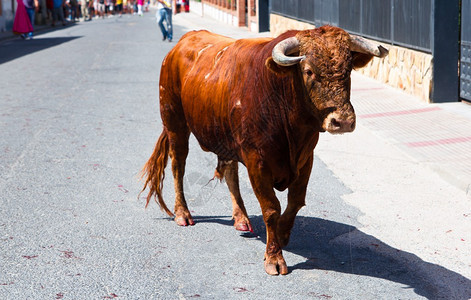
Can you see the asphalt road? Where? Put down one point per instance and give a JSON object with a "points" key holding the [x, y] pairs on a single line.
{"points": [[79, 118]]}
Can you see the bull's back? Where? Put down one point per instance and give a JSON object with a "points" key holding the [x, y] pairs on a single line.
{"points": [[188, 52], [202, 72], [186, 61]]}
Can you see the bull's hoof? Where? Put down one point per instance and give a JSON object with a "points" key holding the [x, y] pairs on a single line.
{"points": [[181, 221], [242, 224], [243, 227], [184, 218], [275, 264]]}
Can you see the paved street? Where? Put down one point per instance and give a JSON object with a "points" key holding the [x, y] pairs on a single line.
{"points": [[79, 118]]}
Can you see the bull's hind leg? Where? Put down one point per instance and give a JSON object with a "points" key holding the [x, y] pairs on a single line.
{"points": [[239, 214], [178, 134], [178, 142]]}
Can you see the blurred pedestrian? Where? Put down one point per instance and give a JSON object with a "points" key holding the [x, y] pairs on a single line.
{"points": [[140, 4], [119, 7], [50, 8], [72, 5], [84, 9], [165, 13], [109, 8], [22, 24], [93, 9], [58, 12], [32, 7], [101, 8], [186, 5], [125, 7]]}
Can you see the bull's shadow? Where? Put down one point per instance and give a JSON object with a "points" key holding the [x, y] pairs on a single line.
{"points": [[328, 245]]}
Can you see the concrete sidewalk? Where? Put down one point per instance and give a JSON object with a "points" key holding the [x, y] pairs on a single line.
{"points": [[436, 135]]}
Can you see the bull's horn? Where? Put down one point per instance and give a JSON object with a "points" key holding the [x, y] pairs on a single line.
{"points": [[283, 49], [359, 44]]}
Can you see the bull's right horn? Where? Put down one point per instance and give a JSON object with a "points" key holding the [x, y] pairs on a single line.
{"points": [[359, 44], [283, 49]]}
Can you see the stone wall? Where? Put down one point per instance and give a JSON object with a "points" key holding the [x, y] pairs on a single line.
{"points": [[280, 24], [403, 68]]}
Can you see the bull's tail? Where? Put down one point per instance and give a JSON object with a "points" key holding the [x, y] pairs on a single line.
{"points": [[154, 172]]}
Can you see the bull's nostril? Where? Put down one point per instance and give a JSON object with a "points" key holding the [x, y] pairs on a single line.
{"points": [[340, 124], [352, 127], [335, 123]]}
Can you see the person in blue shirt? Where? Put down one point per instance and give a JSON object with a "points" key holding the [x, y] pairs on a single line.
{"points": [[165, 12], [58, 12]]}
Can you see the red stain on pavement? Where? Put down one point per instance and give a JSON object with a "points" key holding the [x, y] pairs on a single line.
{"points": [[69, 254], [240, 289], [319, 296], [122, 189], [439, 142], [399, 113]]}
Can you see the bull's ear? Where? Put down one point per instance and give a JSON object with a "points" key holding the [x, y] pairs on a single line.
{"points": [[276, 68], [360, 59]]}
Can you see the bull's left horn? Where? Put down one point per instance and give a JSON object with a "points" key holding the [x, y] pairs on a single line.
{"points": [[359, 44], [283, 49]]}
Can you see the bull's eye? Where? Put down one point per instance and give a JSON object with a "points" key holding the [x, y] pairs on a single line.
{"points": [[309, 73]]}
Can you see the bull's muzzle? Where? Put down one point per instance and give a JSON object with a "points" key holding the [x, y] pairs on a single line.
{"points": [[336, 123]]}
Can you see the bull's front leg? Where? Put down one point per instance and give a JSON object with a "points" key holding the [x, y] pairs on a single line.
{"points": [[296, 200], [262, 184]]}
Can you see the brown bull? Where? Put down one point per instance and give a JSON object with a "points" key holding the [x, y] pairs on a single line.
{"points": [[261, 102]]}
